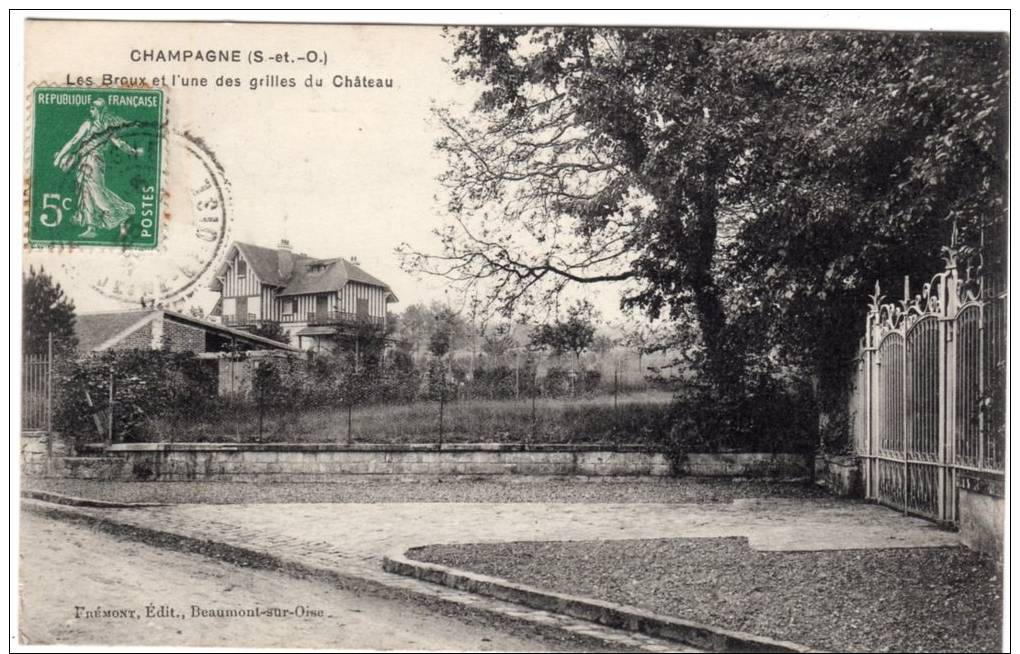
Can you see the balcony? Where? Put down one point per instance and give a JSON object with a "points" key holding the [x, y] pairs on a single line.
{"points": [[323, 318], [234, 320]]}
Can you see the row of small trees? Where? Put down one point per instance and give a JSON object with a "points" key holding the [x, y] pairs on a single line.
{"points": [[157, 394], [438, 330], [336, 380]]}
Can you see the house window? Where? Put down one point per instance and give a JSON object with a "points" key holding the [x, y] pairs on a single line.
{"points": [[242, 268]]}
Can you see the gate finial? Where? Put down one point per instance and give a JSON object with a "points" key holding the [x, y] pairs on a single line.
{"points": [[876, 298], [952, 251]]}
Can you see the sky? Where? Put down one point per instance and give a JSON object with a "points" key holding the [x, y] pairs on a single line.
{"points": [[336, 171]]}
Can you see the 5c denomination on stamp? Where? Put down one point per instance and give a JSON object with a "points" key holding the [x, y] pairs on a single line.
{"points": [[96, 167]]}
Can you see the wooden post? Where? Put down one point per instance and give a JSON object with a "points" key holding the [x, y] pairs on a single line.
{"points": [[109, 413], [442, 400], [49, 394], [517, 375], [616, 388], [534, 393], [350, 411], [260, 397], [616, 402]]}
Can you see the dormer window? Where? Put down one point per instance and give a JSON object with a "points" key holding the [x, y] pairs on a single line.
{"points": [[242, 268]]}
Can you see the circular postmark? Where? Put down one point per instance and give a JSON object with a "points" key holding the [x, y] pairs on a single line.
{"points": [[194, 233]]}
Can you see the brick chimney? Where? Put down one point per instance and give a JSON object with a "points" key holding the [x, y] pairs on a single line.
{"points": [[285, 257]]}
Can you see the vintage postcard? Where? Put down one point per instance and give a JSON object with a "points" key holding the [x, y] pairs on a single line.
{"points": [[513, 336]]}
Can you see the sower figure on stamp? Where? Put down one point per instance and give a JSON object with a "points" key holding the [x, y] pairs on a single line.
{"points": [[97, 205]]}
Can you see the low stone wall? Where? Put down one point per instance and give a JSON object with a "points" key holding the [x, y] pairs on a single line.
{"points": [[840, 474], [325, 462], [981, 509]]}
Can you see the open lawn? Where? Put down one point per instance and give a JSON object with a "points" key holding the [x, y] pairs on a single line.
{"points": [[641, 417]]}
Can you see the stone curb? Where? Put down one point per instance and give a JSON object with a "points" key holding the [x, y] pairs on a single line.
{"points": [[70, 500], [609, 614], [299, 569], [566, 448]]}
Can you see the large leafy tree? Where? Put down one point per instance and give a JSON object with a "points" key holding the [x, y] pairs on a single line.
{"points": [[889, 143], [46, 311], [753, 183]]}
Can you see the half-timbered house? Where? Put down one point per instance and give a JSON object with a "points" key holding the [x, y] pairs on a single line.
{"points": [[316, 301]]}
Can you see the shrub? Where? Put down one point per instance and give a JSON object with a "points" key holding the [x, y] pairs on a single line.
{"points": [[767, 416], [559, 382], [147, 385], [498, 383], [438, 381], [556, 382], [590, 381]]}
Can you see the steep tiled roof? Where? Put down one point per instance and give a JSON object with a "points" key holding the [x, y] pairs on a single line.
{"points": [[95, 329], [223, 329], [316, 276], [309, 275], [265, 262], [356, 274]]}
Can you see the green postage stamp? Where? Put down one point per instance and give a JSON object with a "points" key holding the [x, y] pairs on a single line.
{"points": [[96, 166]]}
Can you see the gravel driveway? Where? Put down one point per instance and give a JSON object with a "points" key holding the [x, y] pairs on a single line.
{"points": [[943, 599], [429, 489]]}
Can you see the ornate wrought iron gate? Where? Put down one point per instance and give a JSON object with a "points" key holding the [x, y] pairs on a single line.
{"points": [[924, 390]]}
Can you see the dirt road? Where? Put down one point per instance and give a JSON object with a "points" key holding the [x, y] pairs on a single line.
{"points": [[85, 587]]}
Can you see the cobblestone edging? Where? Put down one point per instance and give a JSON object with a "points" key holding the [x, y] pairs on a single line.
{"points": [[605, 613], [70, 500], [328, 563]]}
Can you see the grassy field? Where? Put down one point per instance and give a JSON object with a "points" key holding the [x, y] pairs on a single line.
{"points": [[634, 418]]}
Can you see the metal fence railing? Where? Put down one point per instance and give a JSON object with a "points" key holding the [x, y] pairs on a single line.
{"points": [[160, 396], [927, 396], [37, 398]]}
